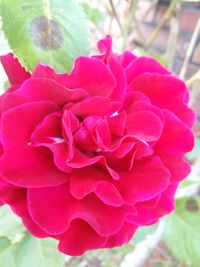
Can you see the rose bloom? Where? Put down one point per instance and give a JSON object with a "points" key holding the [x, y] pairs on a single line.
{"points": [[90, 156]]}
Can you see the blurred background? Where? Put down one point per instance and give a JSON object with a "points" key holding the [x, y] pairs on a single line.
{"points": [[170, 32]]}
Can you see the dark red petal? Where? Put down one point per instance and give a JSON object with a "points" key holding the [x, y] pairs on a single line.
{"points": [[122, 237], [142, 65], [90, 106], [41, 89], [160, 90], [144, 125], [92, 75], [108, 193], [148, 216], [105, 48], [74, 246], [120, 90], [15, 197], [147, 179], [47, 72], [126, 58], [117, 124], [51, 208], [177, 137], [85, 180], [30, 167], [54, 213], [49, 129], [15, 72], [19, 122], [81, 160], [33, 228]]}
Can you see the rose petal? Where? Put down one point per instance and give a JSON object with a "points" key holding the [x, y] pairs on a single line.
{"points": [[144, 125], [71, 245], [40, 89], [161, 88], [33, 168], [92, 75], [90, 106], [147, 179], [54, 216], [27, 116], [142, 65], [15, 72]]}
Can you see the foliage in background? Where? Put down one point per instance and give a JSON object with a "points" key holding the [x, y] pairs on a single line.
{"points": [[54, 32]]}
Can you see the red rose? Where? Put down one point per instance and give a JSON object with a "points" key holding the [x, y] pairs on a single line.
{"points": [[90, 156]]}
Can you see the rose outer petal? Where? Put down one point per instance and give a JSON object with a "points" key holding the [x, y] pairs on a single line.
{"points": [[58, 208], [40, 89], [70, 244], [15, 72]]}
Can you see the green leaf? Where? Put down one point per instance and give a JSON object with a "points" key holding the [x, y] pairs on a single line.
{"points": [[143, 232], [182, 231], [7, 253], [34, 252], [92, 14], [50, 31], [10, 225]]}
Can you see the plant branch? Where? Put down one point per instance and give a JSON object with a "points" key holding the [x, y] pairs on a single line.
{"points": [[116, 16], [166, 16], [190, 50], [143, 250], [193, 79]]}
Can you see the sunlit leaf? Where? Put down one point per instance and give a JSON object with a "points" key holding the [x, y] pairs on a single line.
{"points": [[52, 31], [182, 231], [33, 252]]}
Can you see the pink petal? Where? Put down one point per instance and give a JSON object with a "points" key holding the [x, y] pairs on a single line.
{"points": [[67, 121], [15, 197], [121, 86], [89, 239], [92, 75], [48, 130], [122, 237], [53, 213], [25, 170], [33, 228], [144, 125], [90, 106], [177, 137], [126, 58], [147, 179], [105, 48], [117, 124], [103, 134], [45, 71], [160, 88], [132, 97], [109, 194], [15, 72], [84, 181], [142, 65], [41, 89], [148, 216], [81, 160], [21, 121], [90, 179], [54, 216]]}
